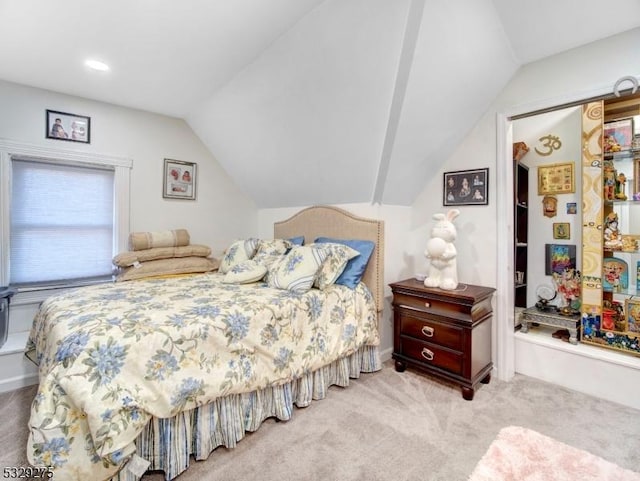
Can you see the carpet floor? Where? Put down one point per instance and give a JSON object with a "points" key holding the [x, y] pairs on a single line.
{"points": [[391, 426]]}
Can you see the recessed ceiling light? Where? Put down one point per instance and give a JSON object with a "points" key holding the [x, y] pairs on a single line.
{"points": [[97, 65]]}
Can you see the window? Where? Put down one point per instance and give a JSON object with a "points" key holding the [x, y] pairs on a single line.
{"points": [[63, 216], [61, 222]]}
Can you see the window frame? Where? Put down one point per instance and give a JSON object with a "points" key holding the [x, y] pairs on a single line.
{"points": [[122, 173]]}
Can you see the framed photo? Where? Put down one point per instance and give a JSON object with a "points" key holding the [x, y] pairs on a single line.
{"points": [[559, 257], [66, 126], [561, 230], [466, 187], [632, 311], [572, 207], [556, 179], [618, 136], [179, 180]]}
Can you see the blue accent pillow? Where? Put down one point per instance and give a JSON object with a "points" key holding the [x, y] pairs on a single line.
{"points": [[296, 240], [355, 268]]}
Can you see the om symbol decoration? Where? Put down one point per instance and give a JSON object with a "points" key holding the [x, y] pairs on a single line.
{"points": [[551, 142]]}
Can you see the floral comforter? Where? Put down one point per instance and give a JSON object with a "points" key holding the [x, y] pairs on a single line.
{"points": [[111, 356]]}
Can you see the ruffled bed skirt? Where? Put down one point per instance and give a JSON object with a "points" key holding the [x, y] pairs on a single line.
{"points": [[168, 443]]}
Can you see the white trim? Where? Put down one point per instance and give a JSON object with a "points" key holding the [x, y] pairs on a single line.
{"points": [[505, 352], [505, 276], [18, 148], [18, 382], [122, 168]]}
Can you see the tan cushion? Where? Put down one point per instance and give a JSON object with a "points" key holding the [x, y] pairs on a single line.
{"points": [[126, 259], [160, 267], [165, 238]]}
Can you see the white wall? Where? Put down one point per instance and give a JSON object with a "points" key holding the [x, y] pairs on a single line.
{"points": [[221, 211], [566, 125]]}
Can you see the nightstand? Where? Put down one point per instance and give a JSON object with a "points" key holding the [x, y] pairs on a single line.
{"points": [[443, 333]]}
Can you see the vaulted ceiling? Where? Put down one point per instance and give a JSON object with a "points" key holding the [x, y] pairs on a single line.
{"points": [[303, 101]]}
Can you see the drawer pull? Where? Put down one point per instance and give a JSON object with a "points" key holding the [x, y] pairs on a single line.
{"points": [[427, 304], [427, 354], [428, 331]]}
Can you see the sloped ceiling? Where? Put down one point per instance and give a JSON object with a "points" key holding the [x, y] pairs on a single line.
{"points": [[303, 101]]}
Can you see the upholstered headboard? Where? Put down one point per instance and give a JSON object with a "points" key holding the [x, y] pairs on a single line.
{"points": [[326, 221]]}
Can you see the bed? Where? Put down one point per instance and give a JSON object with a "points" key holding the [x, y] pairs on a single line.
{"points": [[140, 376]]}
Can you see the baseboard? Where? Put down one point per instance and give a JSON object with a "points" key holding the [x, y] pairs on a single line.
{"points": [[386, 354], [18, 382], [588, 369]]}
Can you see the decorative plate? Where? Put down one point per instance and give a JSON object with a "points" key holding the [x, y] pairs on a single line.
{"points": [[546, 293]]}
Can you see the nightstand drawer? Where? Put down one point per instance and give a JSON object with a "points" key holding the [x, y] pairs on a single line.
{"points": [[432, 306], [432, 355], [431, 331]]}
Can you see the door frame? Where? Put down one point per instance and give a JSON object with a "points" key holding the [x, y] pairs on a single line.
{"points": [[505, 334]]}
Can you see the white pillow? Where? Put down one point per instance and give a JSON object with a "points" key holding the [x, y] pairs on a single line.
{"points": [[337, 257], [297, 270], [272, 247], [240, 251], [245, 273]]}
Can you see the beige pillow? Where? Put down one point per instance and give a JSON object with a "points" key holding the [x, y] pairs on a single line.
{"points": [[165, 238], [160, 267], [126, 259]]}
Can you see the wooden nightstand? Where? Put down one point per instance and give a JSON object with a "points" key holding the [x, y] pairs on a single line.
{"points": [[444, 333]]}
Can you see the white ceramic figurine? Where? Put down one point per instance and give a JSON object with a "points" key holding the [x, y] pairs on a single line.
{"points": [[441, 252]]}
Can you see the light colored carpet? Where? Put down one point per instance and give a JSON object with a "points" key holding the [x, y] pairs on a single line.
{"points": [[520, 454], [391, 426]]}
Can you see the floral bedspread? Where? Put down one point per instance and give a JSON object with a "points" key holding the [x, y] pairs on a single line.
{"points": [[111, 356]]}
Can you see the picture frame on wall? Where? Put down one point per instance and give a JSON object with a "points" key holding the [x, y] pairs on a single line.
{"points": [[179, 180], [559, 257], [617, 136], [632, 310], [67, 126], [466, 187], [556, 179], [561, 230]]}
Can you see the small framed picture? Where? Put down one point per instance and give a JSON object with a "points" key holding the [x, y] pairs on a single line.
{"points": [[572, 208], [559, 257], [466, 187], [179, 180], [618, 136], [556, 179], [66, 126], [561, 230], [632, 310]]}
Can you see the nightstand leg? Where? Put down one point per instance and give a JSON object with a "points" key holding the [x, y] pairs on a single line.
{"points": [[400, 366], [486, 379], [467, 393]]}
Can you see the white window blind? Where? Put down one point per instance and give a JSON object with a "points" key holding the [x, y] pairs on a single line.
{"points": [[61, 222]]}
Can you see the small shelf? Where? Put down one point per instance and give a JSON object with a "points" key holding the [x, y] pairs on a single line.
{"points": [[622, 155], [521, 223]]}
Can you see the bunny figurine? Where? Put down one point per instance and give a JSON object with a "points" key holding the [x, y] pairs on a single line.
{"points": [[442, 253]]}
